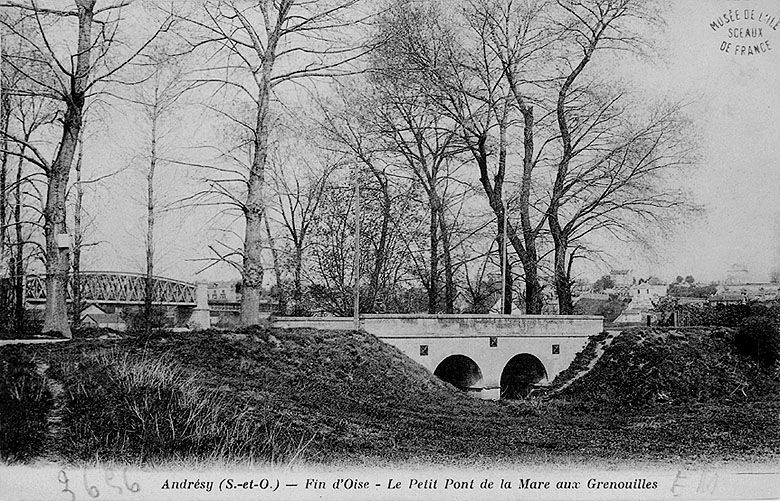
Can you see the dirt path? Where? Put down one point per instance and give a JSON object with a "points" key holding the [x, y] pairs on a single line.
{"points": [[4, 342], [602, 346]]}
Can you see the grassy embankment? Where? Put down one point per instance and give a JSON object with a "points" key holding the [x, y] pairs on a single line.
{"points": [[260, 395]]}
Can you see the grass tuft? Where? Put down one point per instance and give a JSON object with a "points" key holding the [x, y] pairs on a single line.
{"points": [[25, 402], [138, 409]]}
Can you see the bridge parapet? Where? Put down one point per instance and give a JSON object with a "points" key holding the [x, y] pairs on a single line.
{"points": [[449, 326]]}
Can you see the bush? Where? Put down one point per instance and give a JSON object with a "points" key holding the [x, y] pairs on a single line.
{"points": [[758, 338], [720, 315]]}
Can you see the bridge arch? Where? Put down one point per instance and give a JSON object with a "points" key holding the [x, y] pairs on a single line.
{"points": [[520, 373], [460, 371]]}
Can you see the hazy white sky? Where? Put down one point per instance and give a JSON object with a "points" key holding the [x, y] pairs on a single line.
{"points": [[738, 115], [736, 109]]}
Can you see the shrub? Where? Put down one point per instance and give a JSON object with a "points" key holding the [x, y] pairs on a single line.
{"points": [[758, 337]]}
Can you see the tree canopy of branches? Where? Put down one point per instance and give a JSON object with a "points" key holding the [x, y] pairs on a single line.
{"points": [[67, 56], [518, 82], [258, 48]]}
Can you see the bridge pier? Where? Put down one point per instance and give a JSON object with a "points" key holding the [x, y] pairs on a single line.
{"points": [[201, 318], [490, 393]]}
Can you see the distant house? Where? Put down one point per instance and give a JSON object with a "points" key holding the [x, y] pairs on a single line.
{"points": [[224, 298], [93, 316], [644, 294], [609, 307], [228, 292]]}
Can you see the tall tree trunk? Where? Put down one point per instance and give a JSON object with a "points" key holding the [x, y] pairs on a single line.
{"points": [[559, 232], [530, 258], [508, 282], [56, 312], [55, 318], [297, 272], [252, 283], [562, 278], [533, 290], [57, 259], [149, 282], [5, 115], [533, 299], [449, 286], [76, 303], [561, 271], [433, 280], [18, 268], [252, 286], [381, 251], [281, 296]]}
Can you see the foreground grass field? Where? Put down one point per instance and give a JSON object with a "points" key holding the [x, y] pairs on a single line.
{"points": [[346, 397]]}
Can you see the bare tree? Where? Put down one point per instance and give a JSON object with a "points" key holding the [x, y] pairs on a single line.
{"points": [[71, 53], [516, 36], [610, 172], [357, 126], [263, 46], [31, 117], [158, 96], [332, 266], [464, 68], [298, 182], [413, 130], [5, 118], [77, 299]]}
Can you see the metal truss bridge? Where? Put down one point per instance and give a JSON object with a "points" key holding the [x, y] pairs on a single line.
{"points": [[118, 288]]}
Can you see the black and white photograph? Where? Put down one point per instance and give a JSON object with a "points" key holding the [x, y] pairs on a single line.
{"points": [[389, 249]]}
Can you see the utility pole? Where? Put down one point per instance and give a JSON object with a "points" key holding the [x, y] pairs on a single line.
{"points": [[503, 262], [356, 270]]}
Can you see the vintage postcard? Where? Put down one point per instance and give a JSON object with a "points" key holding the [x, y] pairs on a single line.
{"points": [[389, 249]]}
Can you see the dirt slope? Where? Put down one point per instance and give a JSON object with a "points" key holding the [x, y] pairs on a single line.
{"points": [[346, 396], [647, 367]]}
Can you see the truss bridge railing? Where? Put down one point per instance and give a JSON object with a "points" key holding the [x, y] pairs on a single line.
{"points": [[118, 288]]}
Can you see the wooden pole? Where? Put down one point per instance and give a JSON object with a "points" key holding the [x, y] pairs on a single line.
{"points": [[503, 264], [356, 271]]}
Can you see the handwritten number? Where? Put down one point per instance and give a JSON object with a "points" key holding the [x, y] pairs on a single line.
{"points": [[134, 487], [63, 479], [109, 477], [91, 489]]}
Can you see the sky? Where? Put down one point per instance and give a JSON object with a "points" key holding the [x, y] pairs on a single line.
{"points": [[734, 102], [737, 113]]}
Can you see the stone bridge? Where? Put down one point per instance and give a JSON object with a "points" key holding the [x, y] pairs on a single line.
{"points": [[492, 356]]}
